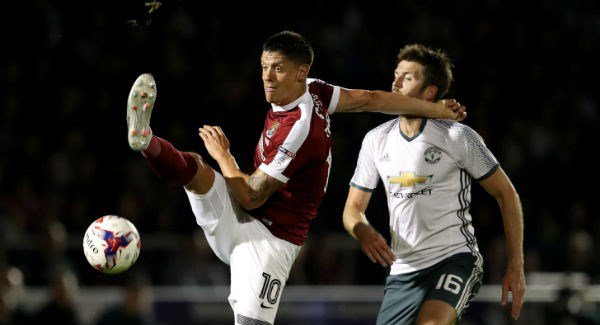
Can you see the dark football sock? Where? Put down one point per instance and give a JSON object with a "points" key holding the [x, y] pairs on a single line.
{"points": [[175, 167]]}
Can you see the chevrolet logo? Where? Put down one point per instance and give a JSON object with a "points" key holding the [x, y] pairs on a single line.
{"points": [[408, 179]]}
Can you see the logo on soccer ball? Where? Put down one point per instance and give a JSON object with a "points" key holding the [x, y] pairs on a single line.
{"points": [[115, 244]]}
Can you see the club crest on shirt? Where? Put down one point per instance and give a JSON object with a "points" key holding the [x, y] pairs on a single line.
{"points": [[272, 130], [433, 155]]}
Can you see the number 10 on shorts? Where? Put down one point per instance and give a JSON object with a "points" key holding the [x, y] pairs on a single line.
{"points": [[270, 289], [450, 282]]}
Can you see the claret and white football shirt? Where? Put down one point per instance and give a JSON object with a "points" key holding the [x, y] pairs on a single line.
{"points": [[295, 148]]}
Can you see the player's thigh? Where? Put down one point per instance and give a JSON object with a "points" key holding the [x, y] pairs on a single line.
{"points": [[219, 216], [436, 312], [404, 294], [204, 178], [454, 283], [260, 266]]}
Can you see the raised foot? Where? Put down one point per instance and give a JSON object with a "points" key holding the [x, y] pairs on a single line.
{"points": [[140, 104]]}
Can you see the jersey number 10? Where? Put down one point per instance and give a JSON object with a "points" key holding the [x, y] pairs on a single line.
{"points": [[270, 289]]}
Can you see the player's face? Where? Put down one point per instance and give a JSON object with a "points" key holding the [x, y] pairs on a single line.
{"points": [[282, 78], [409, 79]]}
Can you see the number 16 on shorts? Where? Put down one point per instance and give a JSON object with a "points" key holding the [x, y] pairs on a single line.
{"points": [[450, 282]]}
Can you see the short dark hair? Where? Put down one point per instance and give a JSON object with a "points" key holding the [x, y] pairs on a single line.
{"points": [[291, 44], [436, 64]]}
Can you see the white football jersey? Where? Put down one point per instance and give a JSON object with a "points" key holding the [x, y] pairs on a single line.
{"points": [[427, 180]]}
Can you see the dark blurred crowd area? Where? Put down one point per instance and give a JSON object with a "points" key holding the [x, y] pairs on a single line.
{"points": [[527, 71]]}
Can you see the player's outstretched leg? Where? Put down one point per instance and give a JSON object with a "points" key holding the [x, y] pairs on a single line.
{"points": [[175, 167], [139, 109]]}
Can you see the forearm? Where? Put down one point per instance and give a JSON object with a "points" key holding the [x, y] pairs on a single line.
{"points": [[354, 220], [512, 217], [250, 191], [236, 180], [390, 103]]}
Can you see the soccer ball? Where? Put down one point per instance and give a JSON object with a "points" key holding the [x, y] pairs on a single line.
{"points": [[111, 244]]}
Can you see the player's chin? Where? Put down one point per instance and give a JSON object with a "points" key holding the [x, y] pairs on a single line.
{"points": [[269, 97]]}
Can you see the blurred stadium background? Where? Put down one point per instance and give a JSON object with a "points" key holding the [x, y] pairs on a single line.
{"points": [[528, 72]]}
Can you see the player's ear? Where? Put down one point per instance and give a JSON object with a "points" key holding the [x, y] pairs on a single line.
{"points": [[302, 72], [430, 92]]}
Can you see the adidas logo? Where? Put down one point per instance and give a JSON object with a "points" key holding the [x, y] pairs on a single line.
{"points": [[386, 157]]}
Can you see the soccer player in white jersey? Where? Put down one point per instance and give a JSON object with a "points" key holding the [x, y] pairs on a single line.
{"points": [[257, 223], [426, 167]]}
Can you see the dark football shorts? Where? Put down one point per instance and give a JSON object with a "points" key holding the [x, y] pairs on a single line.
{"points": [[455, 280]]}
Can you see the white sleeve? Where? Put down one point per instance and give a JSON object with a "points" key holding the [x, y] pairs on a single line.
{"points": [[365, 175], [335, 98], [324, 89], [475, 157]]}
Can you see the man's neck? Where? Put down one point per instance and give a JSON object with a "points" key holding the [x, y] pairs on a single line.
{"points": [[297, 94], [410, 125]]}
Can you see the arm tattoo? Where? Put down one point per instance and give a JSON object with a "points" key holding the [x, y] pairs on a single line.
{"points": [[260, 187]]}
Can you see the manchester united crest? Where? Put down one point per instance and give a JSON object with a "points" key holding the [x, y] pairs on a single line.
{"points": [[433, 155]]}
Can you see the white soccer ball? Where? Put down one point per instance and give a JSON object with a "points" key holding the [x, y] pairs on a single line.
{"points": [[111, 244]]}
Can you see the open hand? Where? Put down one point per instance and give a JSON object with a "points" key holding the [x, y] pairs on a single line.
{"points": [[215, 141], [374, 245], [514, 281]]}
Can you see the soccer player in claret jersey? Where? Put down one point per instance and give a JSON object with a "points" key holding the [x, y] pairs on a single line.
{"points": [[426, 167], [257, 223]]}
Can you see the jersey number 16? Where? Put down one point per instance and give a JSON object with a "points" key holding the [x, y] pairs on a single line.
{"points": [[450, 282]]}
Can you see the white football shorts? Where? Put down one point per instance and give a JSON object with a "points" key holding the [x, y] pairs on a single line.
{"points": [[260, 262]]}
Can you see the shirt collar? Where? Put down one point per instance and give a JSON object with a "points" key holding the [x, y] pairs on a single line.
{"points": [[305, 97]]}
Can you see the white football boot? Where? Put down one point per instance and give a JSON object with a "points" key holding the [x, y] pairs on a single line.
{"points": [[139, 108]]}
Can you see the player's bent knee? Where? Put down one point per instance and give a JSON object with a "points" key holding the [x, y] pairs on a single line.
{"points": [[204, 178]]}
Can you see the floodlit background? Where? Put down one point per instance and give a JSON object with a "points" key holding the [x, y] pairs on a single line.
{"points": [[528, 72]]}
